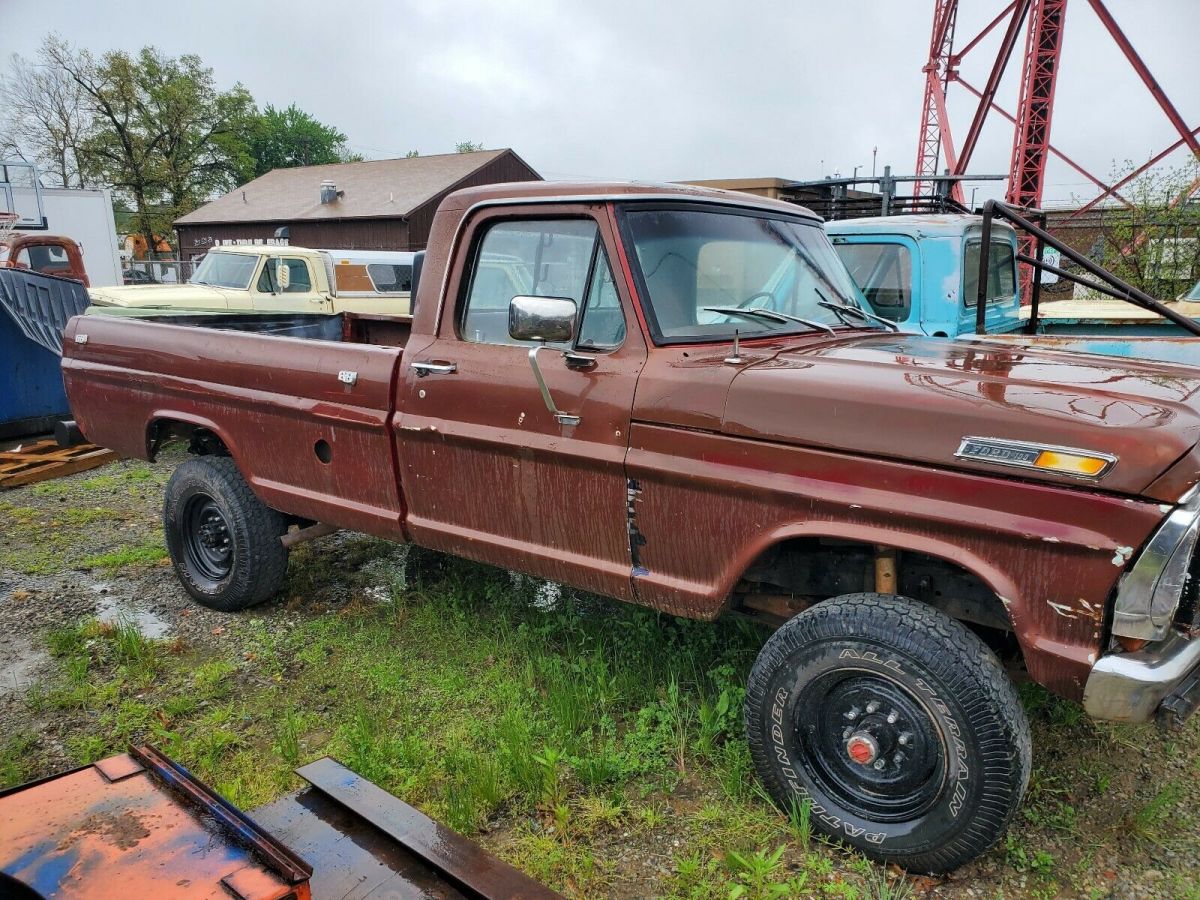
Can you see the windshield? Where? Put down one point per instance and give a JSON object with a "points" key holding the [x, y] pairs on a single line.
{"points": [[694, 260], [227, 270], [883, 271], [1194, 293]]}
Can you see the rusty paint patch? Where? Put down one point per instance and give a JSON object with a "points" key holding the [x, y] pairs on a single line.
{"points": [[637, 540]]}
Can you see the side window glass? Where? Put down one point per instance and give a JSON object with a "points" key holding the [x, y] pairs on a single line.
{"points": [[603, 326], [1001, 273], [540, 258], [883, 272], [390, 277], [298, 279], [266, 280]]}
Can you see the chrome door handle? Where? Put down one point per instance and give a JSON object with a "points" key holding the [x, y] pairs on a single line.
{"points": [[428, 367]]}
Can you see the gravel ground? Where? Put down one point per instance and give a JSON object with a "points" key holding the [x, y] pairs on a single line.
{"points": [[1112, 812]]}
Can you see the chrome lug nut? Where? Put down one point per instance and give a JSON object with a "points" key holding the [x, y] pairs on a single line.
{"points": [[852, 714], [904, 739], [892, 717], [872, 706], [879, 764]]}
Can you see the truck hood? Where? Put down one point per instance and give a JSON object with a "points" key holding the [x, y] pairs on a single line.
{"points": [[915, 398], [170, 296]]}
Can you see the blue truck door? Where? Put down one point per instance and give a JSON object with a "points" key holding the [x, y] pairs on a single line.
{"points": [[886, 268], [1003, 300]]}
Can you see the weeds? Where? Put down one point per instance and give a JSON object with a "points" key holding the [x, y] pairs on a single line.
{"points": [[800, 820], [756, 874], [16, 759], [287, 737], [148, 553], [1147, 822]]}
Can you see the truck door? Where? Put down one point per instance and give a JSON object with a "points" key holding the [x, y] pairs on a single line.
{"points": [[489, 472], [1003, 313], [286, 284]]}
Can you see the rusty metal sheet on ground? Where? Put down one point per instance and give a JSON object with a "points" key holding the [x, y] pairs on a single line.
{"points": [[363, 842]]}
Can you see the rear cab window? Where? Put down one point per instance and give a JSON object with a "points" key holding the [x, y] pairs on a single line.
{"points": [[542, 258]]}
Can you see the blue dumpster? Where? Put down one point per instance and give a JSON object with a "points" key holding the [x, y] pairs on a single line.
{"points": [[34, 310]]}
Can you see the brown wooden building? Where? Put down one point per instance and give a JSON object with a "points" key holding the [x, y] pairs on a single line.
{"points": [[384, 204]]}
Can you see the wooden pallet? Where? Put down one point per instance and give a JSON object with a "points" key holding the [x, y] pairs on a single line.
{"points": [[45, 460]]}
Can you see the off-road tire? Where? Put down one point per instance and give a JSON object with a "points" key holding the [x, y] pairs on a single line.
{"points": [[941, 785], [224, 543]]}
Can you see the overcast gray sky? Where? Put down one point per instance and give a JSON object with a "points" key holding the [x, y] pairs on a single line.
{"points": [[633, 89]]}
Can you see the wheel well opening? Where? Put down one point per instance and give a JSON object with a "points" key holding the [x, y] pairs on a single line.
{"points": [[201, 441], [794, 574]]}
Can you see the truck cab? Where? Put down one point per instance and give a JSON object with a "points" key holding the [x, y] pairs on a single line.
{"points": [[48, 254], [922, 271], [269, 279]]}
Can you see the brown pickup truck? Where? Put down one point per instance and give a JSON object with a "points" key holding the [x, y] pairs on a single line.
{"points": [[592, 392]]}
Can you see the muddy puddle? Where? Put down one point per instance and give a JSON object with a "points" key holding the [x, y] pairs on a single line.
{"points": [[114, 610]]}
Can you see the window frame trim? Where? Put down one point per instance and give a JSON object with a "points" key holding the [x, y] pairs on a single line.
{"points": [[482, 228]]}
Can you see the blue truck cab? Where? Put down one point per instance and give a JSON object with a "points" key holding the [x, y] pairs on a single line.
{"points": [[922, 272]]}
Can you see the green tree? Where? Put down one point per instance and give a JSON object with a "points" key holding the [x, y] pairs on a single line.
{"points": [[467, 147], [159, 133], [1154, 242], [282, 138]]}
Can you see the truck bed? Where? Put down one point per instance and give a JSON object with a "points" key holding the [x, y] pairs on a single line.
{"points": [[308, 421]]}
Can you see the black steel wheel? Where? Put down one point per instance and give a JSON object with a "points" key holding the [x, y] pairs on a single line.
{"points": [[224, 542], [207, 542], [897, 723]]}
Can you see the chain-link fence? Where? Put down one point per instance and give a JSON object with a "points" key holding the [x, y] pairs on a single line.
{"points": [[157, 271]]}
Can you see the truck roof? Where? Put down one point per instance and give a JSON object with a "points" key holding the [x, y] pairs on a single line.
{"points": [[932, 225], [261, 249], [549, 191]]}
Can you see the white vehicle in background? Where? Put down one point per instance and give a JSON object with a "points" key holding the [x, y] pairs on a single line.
{"points": [[275, 279]]}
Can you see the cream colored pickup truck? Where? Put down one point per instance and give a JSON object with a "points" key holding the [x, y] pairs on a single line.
{"points": [[280, 279]]}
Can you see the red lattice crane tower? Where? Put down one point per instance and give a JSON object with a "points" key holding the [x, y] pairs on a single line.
{"points": [[1042, 22]]}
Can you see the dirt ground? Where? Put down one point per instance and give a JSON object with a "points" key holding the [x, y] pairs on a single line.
{"points": [[592, 745]]}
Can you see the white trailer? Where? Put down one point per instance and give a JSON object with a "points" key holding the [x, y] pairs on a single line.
{"points": [[85, 216]]}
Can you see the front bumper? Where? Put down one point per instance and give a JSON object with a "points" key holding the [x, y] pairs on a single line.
{"points": [[1159, 682]]}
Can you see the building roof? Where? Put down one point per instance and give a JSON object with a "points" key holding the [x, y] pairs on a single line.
{"points": [[378, 188]]}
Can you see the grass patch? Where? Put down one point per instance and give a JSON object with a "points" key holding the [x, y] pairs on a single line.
{"points": [[462, 695], [144, 554], [555, 733], [16, 758]]}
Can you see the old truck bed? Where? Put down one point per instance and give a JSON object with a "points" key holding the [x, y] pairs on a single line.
{"points": [[309, 421]]}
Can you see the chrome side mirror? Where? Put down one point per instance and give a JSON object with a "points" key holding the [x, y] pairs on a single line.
{"points": [[544, 320], [550, 320]]}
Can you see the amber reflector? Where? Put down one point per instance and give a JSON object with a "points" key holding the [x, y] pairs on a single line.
{"points": [[1071, 463]]}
